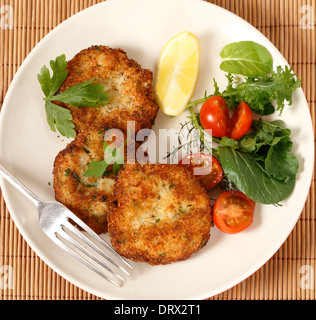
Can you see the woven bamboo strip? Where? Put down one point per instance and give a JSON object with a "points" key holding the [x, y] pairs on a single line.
{"points": [[300, 239], [297, 228], [2, 232], [289, 47], [313, 112], [283, 40], [312, 97]]}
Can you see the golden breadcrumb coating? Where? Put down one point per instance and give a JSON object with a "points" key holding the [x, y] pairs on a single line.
{"points": [[130, 89], [163, 215], [89, 198]]}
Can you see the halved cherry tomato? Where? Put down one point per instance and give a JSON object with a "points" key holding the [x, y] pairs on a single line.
{"points": [[214, 116], [233, 212], [241, 121], [205, 167]]}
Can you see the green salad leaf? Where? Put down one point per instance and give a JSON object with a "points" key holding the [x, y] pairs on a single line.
{"points": [[246, 58], [264, 156], [263, 93], [250, 177]]}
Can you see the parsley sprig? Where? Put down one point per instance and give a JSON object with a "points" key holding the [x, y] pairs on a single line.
{"points": [[112, 156], [86, 94]]}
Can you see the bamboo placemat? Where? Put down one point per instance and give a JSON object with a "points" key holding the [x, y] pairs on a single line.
{"points": [[290, 25]]}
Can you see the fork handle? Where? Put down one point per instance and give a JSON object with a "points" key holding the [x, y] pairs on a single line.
{"points": [[4, 173]]}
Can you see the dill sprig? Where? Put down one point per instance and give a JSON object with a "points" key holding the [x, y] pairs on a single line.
{"points": [[191, 137]]}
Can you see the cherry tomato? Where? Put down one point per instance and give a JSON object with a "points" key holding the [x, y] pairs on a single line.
{"points": [[233, 212], [205, 167], [240, 121], [214, 116]]}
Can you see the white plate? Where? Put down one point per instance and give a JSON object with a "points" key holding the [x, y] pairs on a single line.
{"points": [[141, 28]]}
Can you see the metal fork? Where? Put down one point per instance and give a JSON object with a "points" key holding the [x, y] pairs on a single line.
{"points": [[55, 220]]}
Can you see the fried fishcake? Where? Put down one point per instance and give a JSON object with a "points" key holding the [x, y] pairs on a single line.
{"points": [[163, 215], [89, 198], [129, 87]]}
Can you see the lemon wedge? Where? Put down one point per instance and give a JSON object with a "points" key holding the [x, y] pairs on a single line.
{"points": [[177, 72]]}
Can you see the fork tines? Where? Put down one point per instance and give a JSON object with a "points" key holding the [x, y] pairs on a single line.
{"points": [[84, 248]]}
